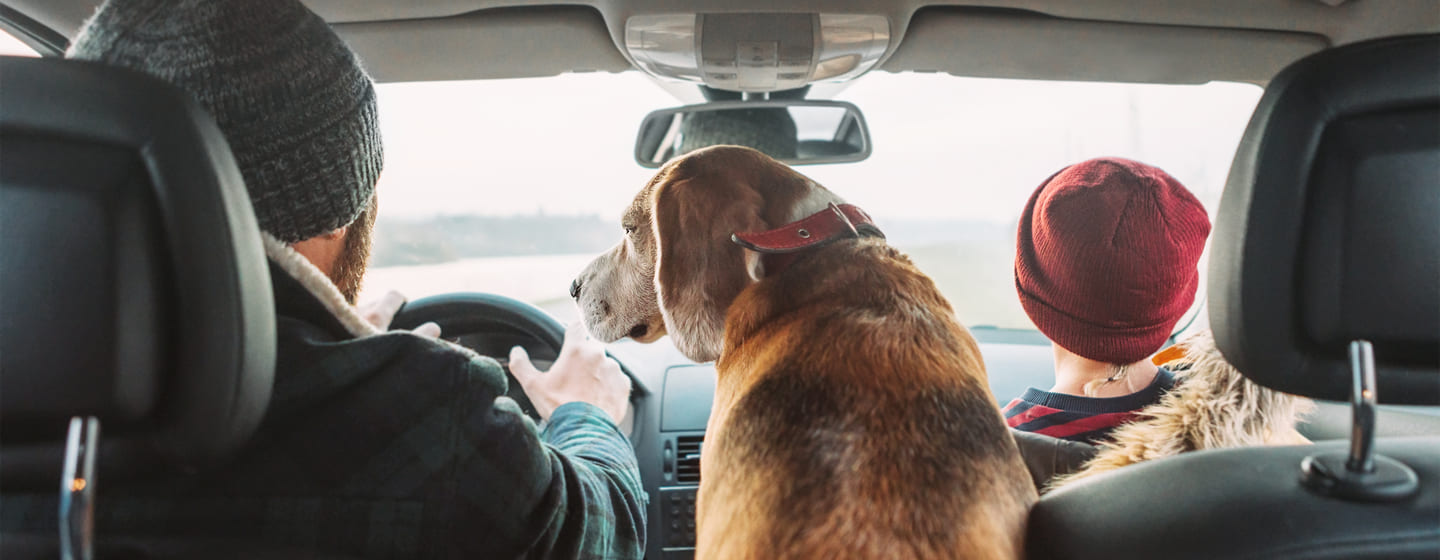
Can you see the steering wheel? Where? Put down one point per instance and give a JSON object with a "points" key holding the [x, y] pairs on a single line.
{"points": [[471, 312], [490, 325]]}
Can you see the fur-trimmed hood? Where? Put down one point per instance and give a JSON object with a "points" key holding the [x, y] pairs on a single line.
{"points": [[1211, 406], [319, 285]]}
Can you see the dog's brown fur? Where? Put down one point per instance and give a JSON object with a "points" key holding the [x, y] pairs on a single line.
{"points": [[852, 417]]}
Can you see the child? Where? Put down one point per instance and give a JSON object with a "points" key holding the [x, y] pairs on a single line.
{"points": [[1105, 267]]}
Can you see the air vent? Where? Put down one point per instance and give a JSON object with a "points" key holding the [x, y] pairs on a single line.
{"points": [[687, 459]]}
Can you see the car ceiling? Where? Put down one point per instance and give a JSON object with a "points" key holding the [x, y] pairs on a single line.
{"points": [[1159, 41]]}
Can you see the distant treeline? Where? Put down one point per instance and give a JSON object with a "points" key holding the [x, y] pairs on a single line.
{"points": [[441, 239]]}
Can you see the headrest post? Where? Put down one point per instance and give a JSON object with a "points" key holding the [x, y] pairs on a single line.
{"points": [[77, 490], [1360, 475], [1362, 407]]}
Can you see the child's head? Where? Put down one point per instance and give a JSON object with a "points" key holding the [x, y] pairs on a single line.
{"points": [[1106, 258]]}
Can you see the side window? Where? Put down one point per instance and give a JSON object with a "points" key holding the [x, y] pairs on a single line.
{"points": [[10, 46]]}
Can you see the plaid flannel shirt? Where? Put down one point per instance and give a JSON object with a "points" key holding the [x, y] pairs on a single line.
{"points": [[392, 446]]}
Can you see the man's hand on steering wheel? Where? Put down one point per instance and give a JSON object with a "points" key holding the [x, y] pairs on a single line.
{"points": [[382, 311], [582, 373]]}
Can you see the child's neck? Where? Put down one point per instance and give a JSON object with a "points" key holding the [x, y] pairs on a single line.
{"points": [[1080, 376]]}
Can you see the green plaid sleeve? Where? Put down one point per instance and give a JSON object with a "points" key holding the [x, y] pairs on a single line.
{"points": [[608, 479], [572, 491]]}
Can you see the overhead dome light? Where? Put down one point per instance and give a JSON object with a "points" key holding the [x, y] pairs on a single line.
{"points": [[757, 52]]}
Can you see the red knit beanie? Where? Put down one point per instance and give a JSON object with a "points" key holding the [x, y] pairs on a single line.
{"points": [[1106, 258]]}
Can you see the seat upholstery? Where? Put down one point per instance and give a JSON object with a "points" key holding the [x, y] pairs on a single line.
{"points": [[1047, 457], [1329, 228], [132, 277], [1236, 504], [1327, 233]]}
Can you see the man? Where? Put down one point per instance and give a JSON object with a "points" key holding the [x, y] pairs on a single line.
{"points": [[375, 444]]}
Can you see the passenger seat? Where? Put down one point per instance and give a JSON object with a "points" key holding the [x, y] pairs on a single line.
{"points": [[1324, 282]]}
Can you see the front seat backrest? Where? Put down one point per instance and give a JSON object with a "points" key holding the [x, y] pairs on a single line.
{"points": [[132, 278], [1327, 244], [1329, 229]]}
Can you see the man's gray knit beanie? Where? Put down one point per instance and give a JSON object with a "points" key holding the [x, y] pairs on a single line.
{"points": [[770, 130], [292, 100]]}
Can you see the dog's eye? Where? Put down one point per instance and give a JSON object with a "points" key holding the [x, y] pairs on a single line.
{"points": [[629, 229]]}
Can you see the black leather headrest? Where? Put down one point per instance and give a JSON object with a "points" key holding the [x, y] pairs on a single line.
{"points": [[132, 278], [1329, 228]]}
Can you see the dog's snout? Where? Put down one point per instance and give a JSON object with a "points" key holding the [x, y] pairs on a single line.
{"points": [[575, 288]]}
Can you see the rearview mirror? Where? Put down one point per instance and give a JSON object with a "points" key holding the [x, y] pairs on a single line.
{"points": [[796, 132]]}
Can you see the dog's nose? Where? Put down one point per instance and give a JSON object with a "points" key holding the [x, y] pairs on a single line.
{"points": [[575, 288]]}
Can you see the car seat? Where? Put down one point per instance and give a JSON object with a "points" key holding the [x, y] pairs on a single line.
{"points": [[1324, 282], [138, 333]]}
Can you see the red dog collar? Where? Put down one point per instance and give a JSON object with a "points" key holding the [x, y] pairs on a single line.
{"points": [[784, 244]]}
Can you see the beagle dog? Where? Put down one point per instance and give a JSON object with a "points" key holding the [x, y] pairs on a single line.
{"points": [[852, 418]]}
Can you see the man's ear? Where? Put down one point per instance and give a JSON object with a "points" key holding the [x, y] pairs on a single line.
{"points": [[698, 270], [324, 249], [336, 233]]}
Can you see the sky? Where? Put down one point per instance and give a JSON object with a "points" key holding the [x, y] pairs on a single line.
{"points": [[944, 147], [10, 46]]}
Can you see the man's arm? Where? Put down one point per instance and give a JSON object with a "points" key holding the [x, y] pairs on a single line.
{"points": [[606, 479], [572, 492], [591, 504]]}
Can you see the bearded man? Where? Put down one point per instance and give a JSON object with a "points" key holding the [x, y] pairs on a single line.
{"points": [[377, 444]]}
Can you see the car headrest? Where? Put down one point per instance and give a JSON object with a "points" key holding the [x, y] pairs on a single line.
{"points": [[1329, 228], [132, 278]]}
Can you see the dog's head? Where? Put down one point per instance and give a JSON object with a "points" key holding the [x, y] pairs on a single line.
{"points": [[677, 271]]}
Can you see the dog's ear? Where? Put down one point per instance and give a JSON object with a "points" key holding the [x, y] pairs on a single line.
{"points": [[699, 270]]}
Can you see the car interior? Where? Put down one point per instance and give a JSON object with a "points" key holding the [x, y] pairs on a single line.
{"points": [[1322, 276]]}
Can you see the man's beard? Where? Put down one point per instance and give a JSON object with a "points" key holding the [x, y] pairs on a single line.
{"points": [[348, 273]]}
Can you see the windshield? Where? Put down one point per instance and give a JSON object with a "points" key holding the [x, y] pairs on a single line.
{"points": [[512, 186]]}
